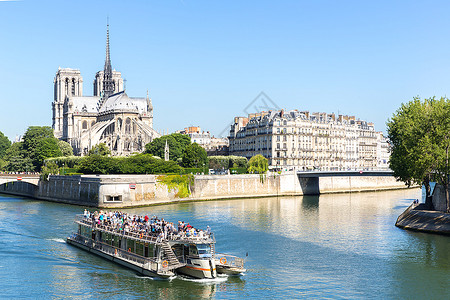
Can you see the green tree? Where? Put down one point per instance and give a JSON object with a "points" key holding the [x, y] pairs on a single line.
{"points": [[17, 159], [5, 143], [194, 156], [177, 143], [258, 164], [40, 136], [45, 148], [100, 149], [3, 164], [419, 137], [65, 148], [34, 134], [51, 168]]}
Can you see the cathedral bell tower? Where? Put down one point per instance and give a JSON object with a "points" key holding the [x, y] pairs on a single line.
{"points": [[67, 83]]}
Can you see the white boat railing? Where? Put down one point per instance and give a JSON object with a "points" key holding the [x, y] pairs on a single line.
{"points": [[182, 238], [229, 260], [116, 252]]}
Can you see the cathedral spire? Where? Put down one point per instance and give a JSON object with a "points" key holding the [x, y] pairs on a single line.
{"points": [[108, 83]]}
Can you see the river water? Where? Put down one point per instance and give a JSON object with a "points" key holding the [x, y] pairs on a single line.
{"points": [[332, 246]]}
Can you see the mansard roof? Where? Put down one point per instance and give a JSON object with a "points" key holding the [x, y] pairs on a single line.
{"points": [[121, 101]]}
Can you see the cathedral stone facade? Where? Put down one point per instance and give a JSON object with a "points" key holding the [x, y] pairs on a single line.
{"points": [[124, 124]]}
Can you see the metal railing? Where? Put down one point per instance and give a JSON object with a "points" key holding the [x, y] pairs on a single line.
{"points": [[229, 260], [150, 263], [81, 219]]}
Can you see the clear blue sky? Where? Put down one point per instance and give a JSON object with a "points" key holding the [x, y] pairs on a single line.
{"points": [[204, 61]]}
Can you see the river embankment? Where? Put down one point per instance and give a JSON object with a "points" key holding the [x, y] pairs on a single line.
{"points": [[115, 191], [432, 219], [418, 218]]}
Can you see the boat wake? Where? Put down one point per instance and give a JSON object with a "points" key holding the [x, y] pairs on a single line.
{"points": [[57, 240], [157, 278], [218, 279]]}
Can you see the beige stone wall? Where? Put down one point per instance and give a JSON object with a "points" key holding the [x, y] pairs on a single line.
{"points": [[358, 184], [230, 186], [116, 191]]}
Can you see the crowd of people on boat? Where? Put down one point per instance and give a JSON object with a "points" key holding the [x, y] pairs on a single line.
{"points": [[145, 225]]}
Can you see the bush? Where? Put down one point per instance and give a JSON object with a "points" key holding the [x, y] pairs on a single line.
{"points": [[182, 183], [258, 164], [69, 161], [194, 170], [135, 164], [227, 162], [238, 171]]}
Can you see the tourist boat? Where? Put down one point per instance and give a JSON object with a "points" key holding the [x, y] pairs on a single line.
{"points": [[150, 255]]}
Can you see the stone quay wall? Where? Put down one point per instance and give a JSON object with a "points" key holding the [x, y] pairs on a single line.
{"points": [[438, 198], [114, 191], [417, 218]]}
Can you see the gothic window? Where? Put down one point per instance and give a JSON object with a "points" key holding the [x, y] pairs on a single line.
{"points": [[119, 124], [67, 86], [92, 123], [128, 125], [85, 125], [73, 86]]}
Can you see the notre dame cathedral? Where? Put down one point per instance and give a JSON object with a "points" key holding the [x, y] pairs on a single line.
{"points": [[123, 123]]}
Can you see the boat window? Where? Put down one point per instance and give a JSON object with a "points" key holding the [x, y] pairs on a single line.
{"points": [[130, 245], [86, 231], [204, 250], [115, 241], [140, 248], [193, 250]]}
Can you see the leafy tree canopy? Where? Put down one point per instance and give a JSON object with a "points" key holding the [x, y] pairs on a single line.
{"points": [[419, 133], [20, 164], [194, 156], [177, 142], [65, 148], [5, 143], [100, 149], [258, 164], [16, 150], [33, 135], [45, 148]]}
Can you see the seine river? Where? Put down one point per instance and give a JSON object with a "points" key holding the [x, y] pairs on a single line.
{"points": [[332, 246]]}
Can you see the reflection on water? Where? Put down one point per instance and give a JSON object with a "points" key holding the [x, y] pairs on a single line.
{"points": [[332, 246]]}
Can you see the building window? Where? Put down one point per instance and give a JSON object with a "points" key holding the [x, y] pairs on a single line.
{"points": [[114, 198], [84, 125], [278, 130], [73, 86], [128, 125], [67, 86]]}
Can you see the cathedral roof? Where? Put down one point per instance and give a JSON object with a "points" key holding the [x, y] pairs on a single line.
{"points": [[121, 101], [85, 104]]}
